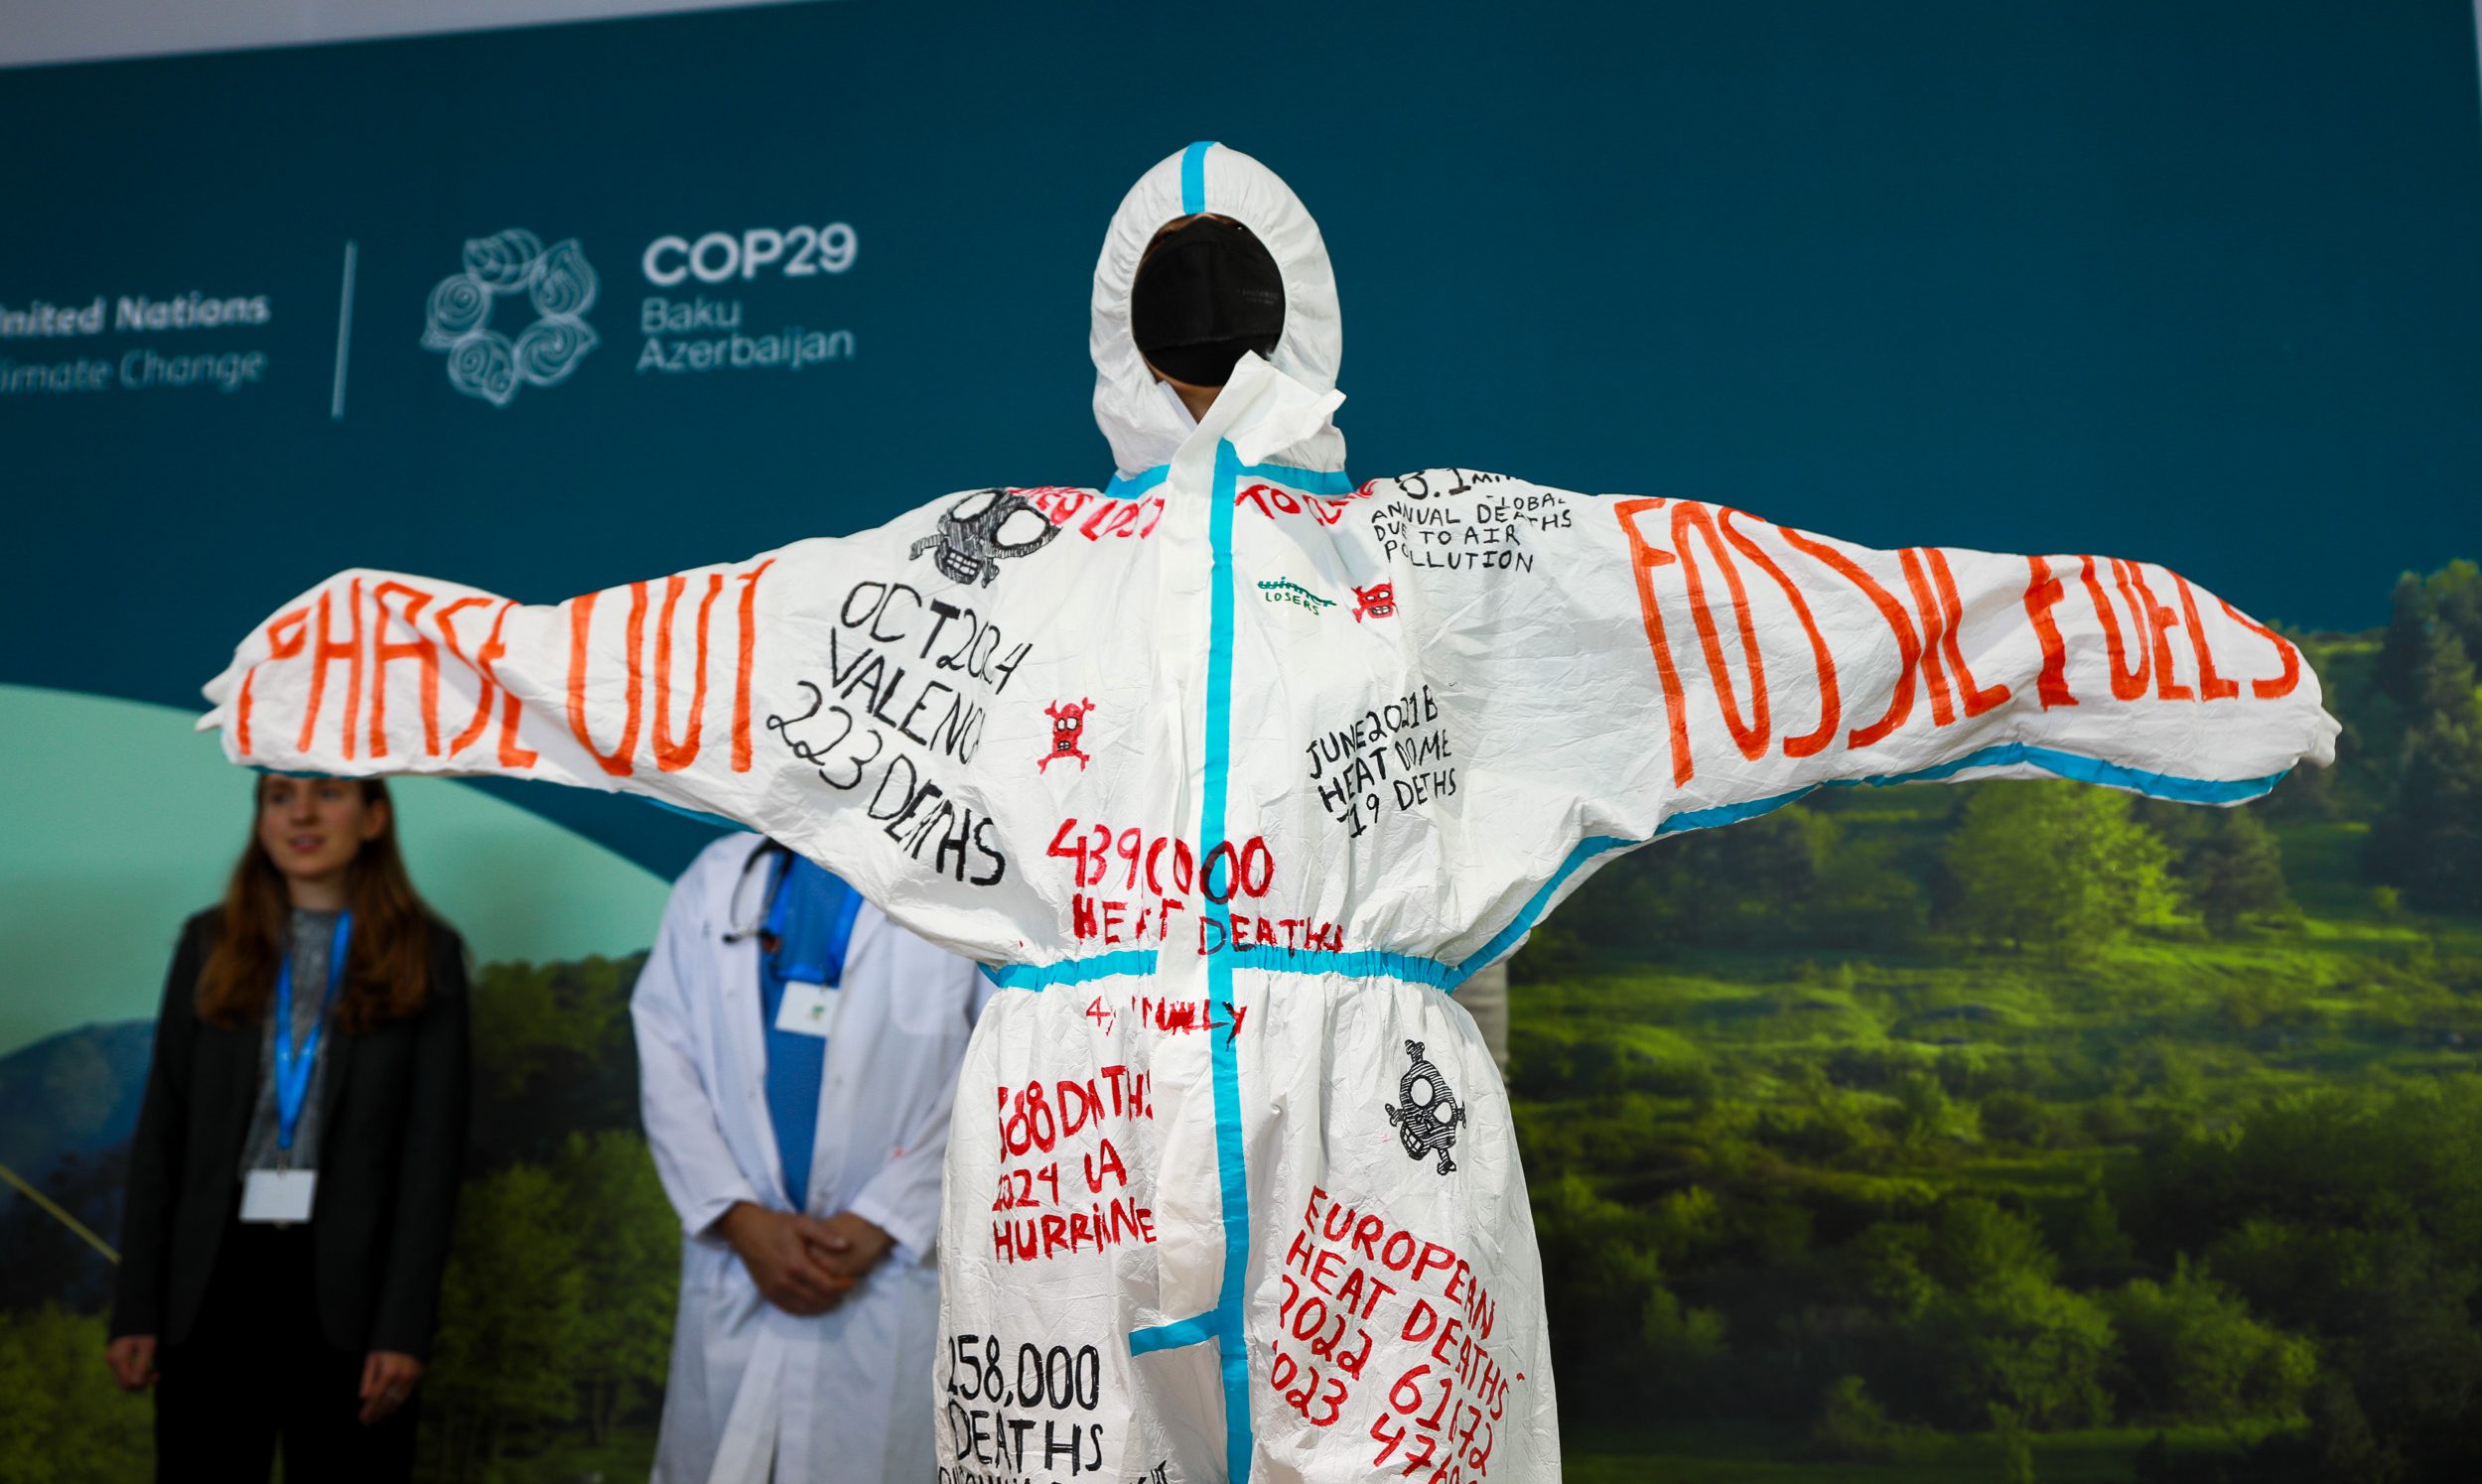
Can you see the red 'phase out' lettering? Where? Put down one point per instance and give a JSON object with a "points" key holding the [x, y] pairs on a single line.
{"points": [[324, 650], [671, 753], [580, 621], [484, 659], [280, 645], [490, 687], [741, 673], [479, 666], [409, 624], [419, 649], [672, 756]]}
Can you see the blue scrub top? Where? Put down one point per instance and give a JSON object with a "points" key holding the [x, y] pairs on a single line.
{"points": [[809, 924]]}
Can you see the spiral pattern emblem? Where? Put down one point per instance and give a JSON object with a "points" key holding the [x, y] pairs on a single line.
{"points": [[560, 286]]}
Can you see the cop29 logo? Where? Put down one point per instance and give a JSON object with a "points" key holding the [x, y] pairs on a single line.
{"points": [[486, 363]]}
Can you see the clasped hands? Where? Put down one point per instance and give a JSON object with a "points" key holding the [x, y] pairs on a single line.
{"points": [[803, 1265]]}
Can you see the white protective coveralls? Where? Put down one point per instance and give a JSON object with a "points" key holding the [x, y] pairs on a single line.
{"points": [[1233, 770], [833, 1395]]}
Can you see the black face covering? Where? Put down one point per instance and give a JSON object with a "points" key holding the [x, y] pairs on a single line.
{"points": [[1206, 293]]}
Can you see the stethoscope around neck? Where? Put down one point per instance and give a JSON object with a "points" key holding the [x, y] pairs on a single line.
{"points": [[739, 929]]}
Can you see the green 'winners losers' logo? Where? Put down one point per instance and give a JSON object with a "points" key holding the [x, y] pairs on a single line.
{"points": [[1285, 589]]}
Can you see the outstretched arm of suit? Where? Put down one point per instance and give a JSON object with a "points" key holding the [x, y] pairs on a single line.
{"points": [[698, 1171], [643, 688], [1626, 668], [1682, 663], [903, 1198], [744, 691]]}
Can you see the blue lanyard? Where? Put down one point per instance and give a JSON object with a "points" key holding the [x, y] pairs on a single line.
{"points": [[294, 1061], [839, 936]]}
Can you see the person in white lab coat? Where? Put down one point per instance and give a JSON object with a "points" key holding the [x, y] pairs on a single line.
{"points": [[799, 1055]]}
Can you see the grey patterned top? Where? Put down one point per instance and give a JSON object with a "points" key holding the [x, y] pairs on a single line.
{"points": [[313, 933]]}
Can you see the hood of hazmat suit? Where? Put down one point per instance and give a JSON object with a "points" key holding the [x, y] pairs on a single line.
{"points": [[1232, 771]]}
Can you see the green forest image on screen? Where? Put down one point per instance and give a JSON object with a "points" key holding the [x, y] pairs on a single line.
{"points": [[2008, 1131]]}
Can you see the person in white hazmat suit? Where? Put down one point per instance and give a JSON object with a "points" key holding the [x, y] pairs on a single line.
{"points": [[1231, 771], [798, 1058]]}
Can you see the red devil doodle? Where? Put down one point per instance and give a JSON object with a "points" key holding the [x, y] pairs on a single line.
{"points": [[1375, 601], [1069, 726]]}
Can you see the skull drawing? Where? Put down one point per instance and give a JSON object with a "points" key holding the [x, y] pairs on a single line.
{"points": [[1069, 728], [968, 546], [1428, 1125], [1377, 601]]}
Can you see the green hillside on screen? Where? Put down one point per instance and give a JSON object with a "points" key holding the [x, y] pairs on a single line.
{"points": [[2027, 1130]]}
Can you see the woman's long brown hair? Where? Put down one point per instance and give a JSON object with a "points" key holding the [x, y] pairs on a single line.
{"points": [[387, 969]]}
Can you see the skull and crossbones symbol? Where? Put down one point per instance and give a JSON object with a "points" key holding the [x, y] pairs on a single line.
{"points": [[1069, 728], [1377, 601], [968, 545], [1430, 1125]]}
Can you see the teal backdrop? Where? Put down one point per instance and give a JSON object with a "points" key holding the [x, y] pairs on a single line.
{"points": [[2196, 282], [2189, 282]]}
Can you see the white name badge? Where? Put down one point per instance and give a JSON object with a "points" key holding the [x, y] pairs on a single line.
{"points": [[278, 1194], [808, 1008]]}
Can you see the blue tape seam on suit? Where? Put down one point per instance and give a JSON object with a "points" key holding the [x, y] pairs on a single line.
{"points": [[1224, 1056], [1328, 481], [1191, 1331], [1223, 1322], [1193, 177], [1130, 961]]}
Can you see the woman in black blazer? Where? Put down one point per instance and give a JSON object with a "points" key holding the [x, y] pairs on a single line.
{"points": [[298, 1154]]}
